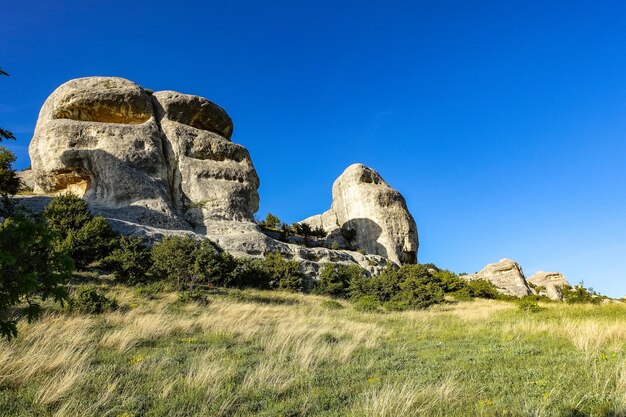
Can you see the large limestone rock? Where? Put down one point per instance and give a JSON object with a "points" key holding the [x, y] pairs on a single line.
{"points": [[164, 164], [164, 161], [364, 202], [551, 281], [211, 178], [506, 274], [97, 137]]}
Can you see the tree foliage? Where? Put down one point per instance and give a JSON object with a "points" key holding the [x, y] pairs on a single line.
{"points": [[284, 274], [579, 294], [304, 230], [88, 299], [86, 238], [334, 279], [130, 261], [31, 269], [271, 221], [188, 263]]}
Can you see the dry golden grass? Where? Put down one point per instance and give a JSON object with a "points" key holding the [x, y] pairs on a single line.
{"points": [[405, 399], [286, 353]]}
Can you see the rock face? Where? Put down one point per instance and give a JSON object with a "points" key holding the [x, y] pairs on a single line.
{"points": [[506, 274], [365, 203], [552, 282], [98, 137], [211, 178], [163, 163]]}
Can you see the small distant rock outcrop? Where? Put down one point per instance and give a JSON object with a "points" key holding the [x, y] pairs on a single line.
{"points": [[365, 203], [549, 283], [163, 163], [506, 275]]}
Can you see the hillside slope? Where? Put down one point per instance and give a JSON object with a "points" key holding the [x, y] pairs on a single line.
{"points": [[271, 353]]}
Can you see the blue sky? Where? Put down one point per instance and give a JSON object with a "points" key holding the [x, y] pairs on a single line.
{"points": [[502, 123]]}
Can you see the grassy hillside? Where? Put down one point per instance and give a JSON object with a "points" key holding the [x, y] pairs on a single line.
{"points": [[279, 354]]}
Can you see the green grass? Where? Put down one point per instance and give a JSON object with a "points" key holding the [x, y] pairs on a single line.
{"points": [[277, 354]]}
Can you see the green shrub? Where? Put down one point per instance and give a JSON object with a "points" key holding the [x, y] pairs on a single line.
{"points": [[580, 295], [186, 262], [410, 286], [319, 232], [483, 289], [197, 295], [334, 279], [9, 181], [463, 294], [419, 293], [396, 305], [88, 299], [383, 286], [87, 239], [529, 305], [31, 269], [331, 305], [173, 260], [66, 213], [130, 261], [271, 221], [367, 303], [335, 246], [284, 274], [151, 290], [214, 265], [251, 273], [538, 297], [450, 282]]}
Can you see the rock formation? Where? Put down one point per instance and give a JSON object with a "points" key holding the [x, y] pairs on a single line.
{"points": [[98, 137], [550, 284], [163, 163], [365, 203], [506, 274], [211, 178]]}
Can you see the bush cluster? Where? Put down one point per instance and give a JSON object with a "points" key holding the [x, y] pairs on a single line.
{"points": [[397, 289], [529, 305], [579, 294], [407, 287], [187, 263], [31, 269], [84, 237], [88, 299]]}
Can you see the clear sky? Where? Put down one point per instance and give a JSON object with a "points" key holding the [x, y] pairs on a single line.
{"points": [[503, 123]]}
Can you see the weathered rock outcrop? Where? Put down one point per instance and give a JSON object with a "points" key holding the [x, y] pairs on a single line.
{"points": [[364, 202], [97, 137], [211, 178], [506, 275], [551, 281], [163, 163]]}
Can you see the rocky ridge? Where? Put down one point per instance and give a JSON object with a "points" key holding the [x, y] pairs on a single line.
{"points": [[163, 163], [508, 276]]}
